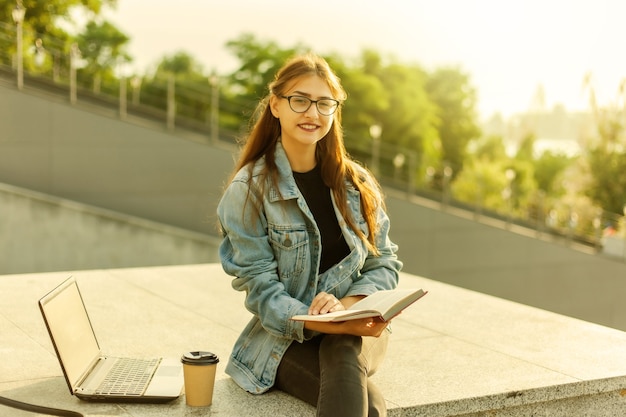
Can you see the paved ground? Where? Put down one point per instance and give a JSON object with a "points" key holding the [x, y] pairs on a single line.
{"points": [[455, 352]]}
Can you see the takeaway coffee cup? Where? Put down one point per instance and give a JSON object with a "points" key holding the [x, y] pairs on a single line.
{"points": [[199, 373]]}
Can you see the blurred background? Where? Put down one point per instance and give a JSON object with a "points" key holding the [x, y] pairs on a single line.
{"points": [[496, 128]]}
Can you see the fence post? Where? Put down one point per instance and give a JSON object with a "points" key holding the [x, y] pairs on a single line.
{"points": [[135, 83], [445, 186], [171, 102], [375, 132], [410, 189], [123, 97], [215, 97]]}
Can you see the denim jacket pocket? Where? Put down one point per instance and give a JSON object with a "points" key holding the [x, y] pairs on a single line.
{"points": [[290, 244]]}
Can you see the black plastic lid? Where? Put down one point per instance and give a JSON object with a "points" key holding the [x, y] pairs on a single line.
{"points": [[199, 358]]}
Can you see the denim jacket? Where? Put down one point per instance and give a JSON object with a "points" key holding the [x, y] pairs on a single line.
{"points": [[274, 255]]}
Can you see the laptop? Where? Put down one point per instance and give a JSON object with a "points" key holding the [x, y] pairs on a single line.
{"points": [[90, 374]]}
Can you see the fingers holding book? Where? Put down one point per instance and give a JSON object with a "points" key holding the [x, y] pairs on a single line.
{"points": [[371, 326], [325, 303]]}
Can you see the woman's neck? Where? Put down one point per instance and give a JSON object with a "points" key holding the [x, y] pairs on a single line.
{"points": [[301, 158]]}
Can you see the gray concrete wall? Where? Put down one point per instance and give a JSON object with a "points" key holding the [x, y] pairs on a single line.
{"points": [[88, 156], [41, 233], [483, 255], [95, 158]]}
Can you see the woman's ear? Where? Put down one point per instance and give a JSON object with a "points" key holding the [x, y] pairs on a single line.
{"points": [[274, 106]]}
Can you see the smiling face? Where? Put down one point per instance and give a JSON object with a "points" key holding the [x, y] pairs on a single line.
{"points": [[301, 131]]}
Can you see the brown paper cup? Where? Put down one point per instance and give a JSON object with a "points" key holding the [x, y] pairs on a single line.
{"points": [[199, 373]]}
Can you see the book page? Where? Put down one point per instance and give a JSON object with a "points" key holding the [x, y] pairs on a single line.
{"points": [[382, 300], [385, 304]]}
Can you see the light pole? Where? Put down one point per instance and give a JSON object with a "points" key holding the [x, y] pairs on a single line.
{"points": [[123, 96], [375, 131], [122, 69], [171, 101], [40, 53], [18, 17], [445, 192], [624, 233], [74, 56], [597, 227], [412, 169], [398, 163]]}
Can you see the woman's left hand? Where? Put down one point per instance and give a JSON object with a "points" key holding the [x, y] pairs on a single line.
{"points": [[325, 303], [371, 326]]}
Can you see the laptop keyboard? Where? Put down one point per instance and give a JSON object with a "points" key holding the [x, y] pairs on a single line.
{"points": [[128, 376]]}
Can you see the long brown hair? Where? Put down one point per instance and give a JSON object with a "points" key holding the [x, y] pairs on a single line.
{"points": [[335, 163]]}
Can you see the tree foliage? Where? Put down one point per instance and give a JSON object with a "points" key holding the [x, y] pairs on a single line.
{"points": [[427, 117], [490, 147], [259, 62], [367, 98], [392, 95], [492, 179], [608, 179], [549, 167], [181, 64], [455, 98], [42, 16], [47, 41], [102, 48], [416, 126], [606, 156]]}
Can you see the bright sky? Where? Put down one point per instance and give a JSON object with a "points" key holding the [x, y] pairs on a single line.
{"points": [[508, 47]]}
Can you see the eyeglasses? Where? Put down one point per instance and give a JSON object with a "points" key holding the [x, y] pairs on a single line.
{"points": [[300, 104]]}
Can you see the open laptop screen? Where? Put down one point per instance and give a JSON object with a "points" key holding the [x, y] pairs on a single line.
{"points": [[70, 329]]}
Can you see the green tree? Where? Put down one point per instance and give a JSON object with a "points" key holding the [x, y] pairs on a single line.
{"points": [[549, 167], [411, 120], [608, 179], [46, 41], [42, 18], [190, 83], [482, 183], [526, 149], [489, 147], [492, 179], [367, 99], [241, 90], [260, 60], [606, 157], [103, 48], [391, 95], [180, 64], [451, 91]]}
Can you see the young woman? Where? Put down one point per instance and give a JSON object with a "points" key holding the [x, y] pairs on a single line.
{"points": [[305, 232]]}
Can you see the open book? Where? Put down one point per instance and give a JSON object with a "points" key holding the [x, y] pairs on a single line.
{"points": [[385, 304]]}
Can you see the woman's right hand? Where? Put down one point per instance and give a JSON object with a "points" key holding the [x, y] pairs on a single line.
{"points": [[325, 303]]}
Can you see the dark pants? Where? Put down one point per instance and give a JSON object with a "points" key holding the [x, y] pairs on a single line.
{"points": [[331, 372]]}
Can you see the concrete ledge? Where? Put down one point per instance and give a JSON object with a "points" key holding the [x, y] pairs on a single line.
{"points": [[454, 353], [41, 232]]}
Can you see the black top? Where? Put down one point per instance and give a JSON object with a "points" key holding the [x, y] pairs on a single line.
{"points": [[317, 196]]}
